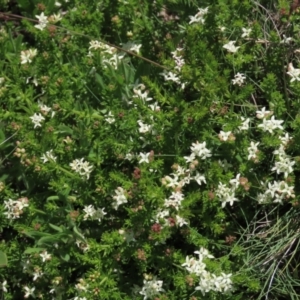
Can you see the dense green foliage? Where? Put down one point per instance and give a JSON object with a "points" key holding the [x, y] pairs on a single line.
{"points": [[134, 133]]}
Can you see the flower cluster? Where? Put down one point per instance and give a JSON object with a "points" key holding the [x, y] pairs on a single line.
{"points": [[110, 54], [94, 214], [15, 207], [43, 21], [199, 17], [284, 163], [179, 60], [179, 63], [151, 288], [28, 55], [198, 150], [253, 151], [227, 194], [81, 167], [270, 125], [119, 197], [207, 281], [275, 192], [139, 92]]}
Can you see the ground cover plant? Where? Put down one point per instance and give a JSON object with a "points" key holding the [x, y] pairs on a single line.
{"points": [[149, 149]]}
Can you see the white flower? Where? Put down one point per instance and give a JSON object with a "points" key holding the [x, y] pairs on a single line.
{"points": [[131, 46], [154, 107], [294, 73], [37, 119], [190, 158], [110, 118], [99, 214], [286, 40], [89, 211], [239, 79], [3, 286], [33, 79], [48, 156], [263, 113], [180, 221], [43, 21], [199, 178], [285, 139], [246, 32], [223, 136], [37, 274], [236, 181], [170, 76], [203, 253], [28, 55], [55, 18], [144, 127], [144, 157], [230, 47], [44, 108], [195, 19], [28, 291], [129, 156], [245, 124], [45, 256]]}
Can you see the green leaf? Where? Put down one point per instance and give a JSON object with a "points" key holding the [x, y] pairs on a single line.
{"points": [[78, 234], [99, 80], [56, 227], [3, 259], [33, 250], [239, 158], [64, 129], [48, 239], [65, 257], [52, 198]]}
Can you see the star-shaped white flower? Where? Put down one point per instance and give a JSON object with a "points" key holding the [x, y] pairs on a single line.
{"points": [[37, 119], [246, 32], [230, 47], [144, 157], [45, 256], [294, 73], [43, 21]]}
